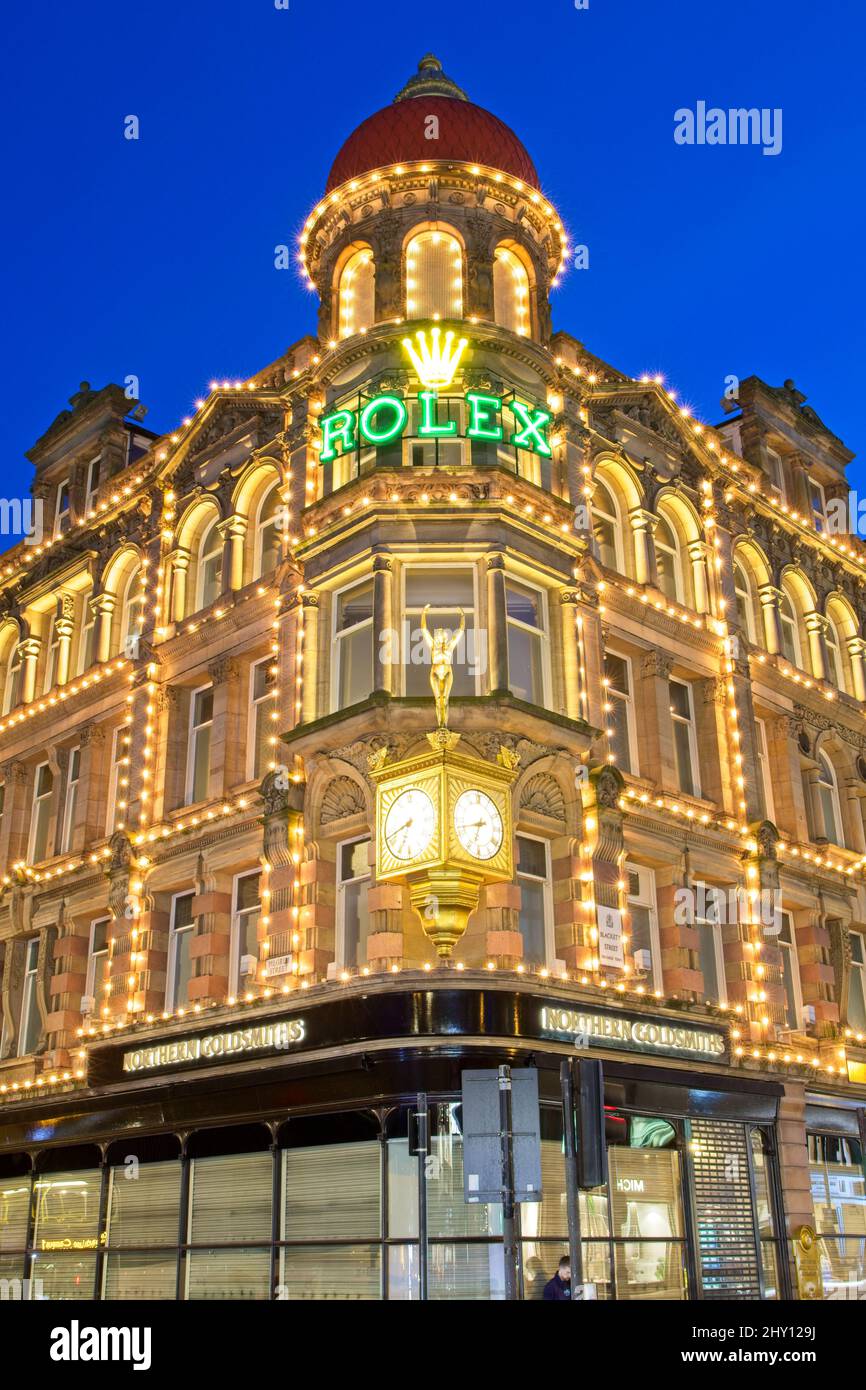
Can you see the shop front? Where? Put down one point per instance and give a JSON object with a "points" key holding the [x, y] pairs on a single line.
{"points": [[278, 1159], [836, 1140]]}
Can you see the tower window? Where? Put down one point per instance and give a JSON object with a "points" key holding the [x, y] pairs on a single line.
{"points": [[357, 293], [434, 276], [510, 292]]}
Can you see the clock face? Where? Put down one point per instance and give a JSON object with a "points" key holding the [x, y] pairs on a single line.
{"points": [[409, 824], [478, 824]]}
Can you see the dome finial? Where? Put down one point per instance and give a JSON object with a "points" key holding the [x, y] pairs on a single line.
{"points": [[430, 81]]}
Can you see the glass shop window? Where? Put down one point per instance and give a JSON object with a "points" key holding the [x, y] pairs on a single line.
{"points": [[839, 1201], [646, 1207], [447, 590], [143, 1210], [230, 1205]]}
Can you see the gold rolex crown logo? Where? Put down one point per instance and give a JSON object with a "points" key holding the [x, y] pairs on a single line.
{"points": [[436, 362]]}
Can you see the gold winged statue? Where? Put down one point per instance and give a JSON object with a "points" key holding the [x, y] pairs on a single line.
{"points": [[441, 644]]}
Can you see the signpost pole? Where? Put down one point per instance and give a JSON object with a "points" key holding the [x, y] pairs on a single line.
{"points": [[509, 1247], [572, 1191], [422, 1119]]}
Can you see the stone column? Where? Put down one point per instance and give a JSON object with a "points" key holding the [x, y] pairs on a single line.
{"points": [[64, 627], [179, 560], [769, 596], [385, 639], [103, 606], [657, 751], [854, 791], [385, 903], [856, 649], [815, 960], [794, 1169], [227, 751], [310, 652], [503, 942], [233, 531], [66, 988], [816, 626], [211, 943], [29, 651], [571, 677], [700, 587], [282, 845], [497, 625], [643, 524]]}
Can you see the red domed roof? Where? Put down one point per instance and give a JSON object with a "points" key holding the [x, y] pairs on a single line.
{"points": [[398, 133]]}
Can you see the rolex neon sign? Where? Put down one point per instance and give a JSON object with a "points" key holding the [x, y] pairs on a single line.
{"points": [[384, 418]]}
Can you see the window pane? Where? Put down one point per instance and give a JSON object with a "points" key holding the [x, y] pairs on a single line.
{"points": [[355, 859], [140, 1276], [532, 921], [14, 1205], [203, 711], [228, 1274], [332, 1191], [683, 758], [322, 1272], [230, 1198], [355, 606], [475, 1272], [402, 1189], [67, 1207], [64, 1277], [441, 588], [650, 1269], [144, 1204], [525, 665], [523, 604], [248, 892], [181, 943], [356, 923], [355, 655], [531, 857], [183, 910], [707, 960], [201, 764], [447, 1213]]}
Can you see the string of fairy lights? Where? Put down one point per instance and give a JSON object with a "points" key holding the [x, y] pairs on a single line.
{"points": [[634, 800]]}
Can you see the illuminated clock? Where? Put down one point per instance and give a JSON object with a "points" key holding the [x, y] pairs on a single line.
{"points": [[409, 824], [478, 824]]}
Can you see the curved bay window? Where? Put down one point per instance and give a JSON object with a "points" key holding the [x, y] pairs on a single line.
{"points": [[510, 291], [434, 276], [356, 293]]}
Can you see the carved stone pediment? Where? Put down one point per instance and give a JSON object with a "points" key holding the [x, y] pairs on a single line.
{"points": [[343, 797]]}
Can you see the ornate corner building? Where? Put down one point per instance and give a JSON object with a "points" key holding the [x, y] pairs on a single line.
{"points": [[216, 977]]}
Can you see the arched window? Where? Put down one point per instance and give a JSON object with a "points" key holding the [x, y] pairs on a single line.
{"points": [[268, 550], [789, 631], [745, 600], [828, 795], [668, 564], [357, 293], [510, 291], [209, 567], [12, 669], [434, 276], [131, 610], [606, 528], [835, 664]]}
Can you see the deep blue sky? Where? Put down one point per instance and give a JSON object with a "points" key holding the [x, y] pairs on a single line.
{"points": [[156, 257]]}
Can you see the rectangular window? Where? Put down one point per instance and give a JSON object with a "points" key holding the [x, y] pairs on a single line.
{"points": [[179, 959], [622, 744], [819, 504], [40, 821], [73, 776], [84, 652], [353, 645], [685, 741], [536, 900], [710, 913], [447, 590], [12, 686], [97, 966], [31, 1023], [527, 642], [246, 914], [857, 983], [198, 761], [117, 781], [259, 748], [437, 450], [643, 923], [838, 1187], [94, 478], [765, 781], [62, 511], [790, 972], [51, 654], [776, 474], [353, 918]]}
